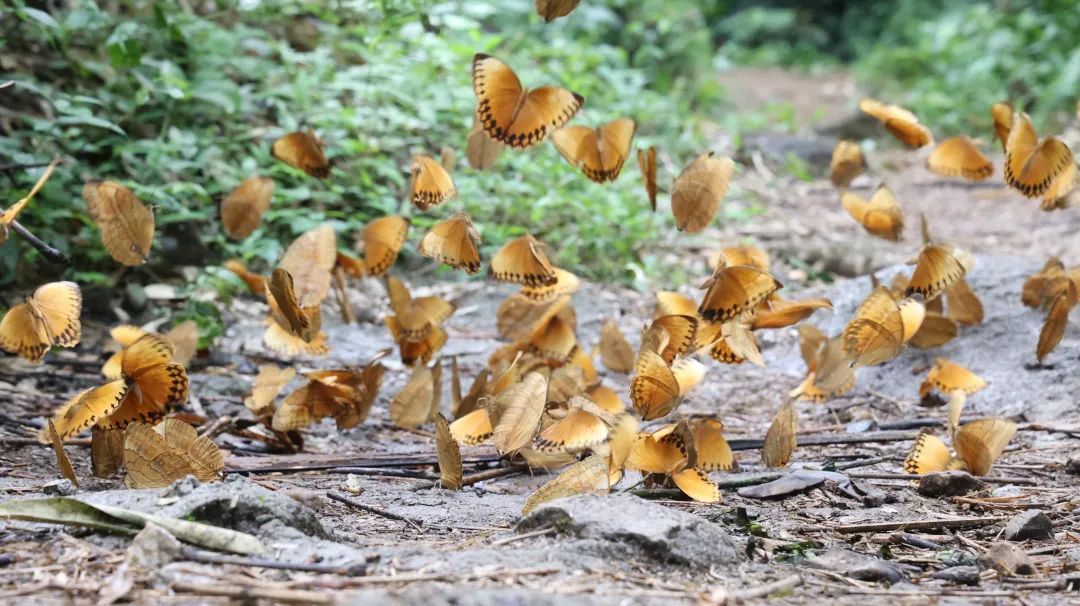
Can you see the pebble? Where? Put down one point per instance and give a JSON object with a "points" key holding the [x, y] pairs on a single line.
{"points": [[949, 484], [1031, 524]]}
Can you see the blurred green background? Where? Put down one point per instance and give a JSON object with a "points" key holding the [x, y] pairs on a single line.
{"points": [[180, 101]]}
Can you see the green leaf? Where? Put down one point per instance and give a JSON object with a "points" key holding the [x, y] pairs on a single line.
{"points": [[89, 121], [41, 17]]}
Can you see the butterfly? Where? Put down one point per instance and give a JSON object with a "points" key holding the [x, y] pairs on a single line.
{"points": [[590, 475], [265, 389], [673, 303], [978, 445], [880, 216], [781, 313], [462, 405], [292, 329], [9, 215], [946, 377], [48, 318], [453, 242], [431, 184], [151, 385], [183, 337], [698, 190], [1063, 191], [1057, 316], [1031, 164], [383, 239], [62, 460], [828, 369], [416, 316], [713, 451], [605, 398], [472, 428], [671, 336], [243, 208], [647, 163], [880, 327], [846, 164], [1002, 115], [657, 388], [733, 290], [565, 283], [516, 413], [255, 283], [553, 340], [553, 9], [513, 115], [959, 157], [157, 456], [937, 269], [750, 256], [302, 150], [615, 351], [671, 451], [309, 261], [106, 451], [418, 401], [900, 122], [481, 150], [126, 224], [585, 425], [449, 454], [346, 395], [780, 440], [598, 152], [522, 261], [517, 316], [1040, 288], [730, 343]]}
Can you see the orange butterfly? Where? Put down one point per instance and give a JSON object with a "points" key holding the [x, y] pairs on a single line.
{"points": [[978, 445], [647, 163], [657, 388], [513, 115], [880, 216], [958, 157], [345, 395], [242, 210], [880, 327], [158, 456], [453, 242], [828, 368], [127, 225], [1002, 115], [553, 9], [698, 190], [481, 150], [309, 260], [734, 290], [302, 150], [383, 239], [1031, 164], [900, 122], [291, 328], [522, 261], [256, 283], [431, 184], [598, 152], [48, 318], [846, 164]]}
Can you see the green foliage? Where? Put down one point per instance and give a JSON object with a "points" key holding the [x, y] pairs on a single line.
{"points": [[181, 106]]}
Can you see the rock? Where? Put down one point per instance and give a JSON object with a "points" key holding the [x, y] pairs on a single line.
{"points": [[1073, 466], [462, 595], [815, 151], [1006, 491], [858, 566], [624, 526], [59, 488], [1007, 559], [957, 557], [961, 575], [1031, 524], [153, 547], [949, 484], [181, 488]]}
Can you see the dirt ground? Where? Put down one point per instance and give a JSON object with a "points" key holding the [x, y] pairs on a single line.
{"points": [[473, 546]]}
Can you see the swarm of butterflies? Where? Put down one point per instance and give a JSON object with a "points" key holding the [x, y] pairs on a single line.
{"points": [[541, 399]]}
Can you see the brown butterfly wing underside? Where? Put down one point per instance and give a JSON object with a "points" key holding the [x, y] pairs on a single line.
{"points": [[431, 183], [647, 163], [453, 242], [513, 115], [553, 9], [302, 150], [127, 225]]}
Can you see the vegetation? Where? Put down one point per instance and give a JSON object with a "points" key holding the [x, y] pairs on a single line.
{"points": [[181, 100]]}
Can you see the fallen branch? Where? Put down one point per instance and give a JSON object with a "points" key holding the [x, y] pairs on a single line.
{"points": [[913, 525], [829, 439], [206, 557], [883, 475], [753, 593], [51, 254], [219, 425], [340, 498], [252, 592]]}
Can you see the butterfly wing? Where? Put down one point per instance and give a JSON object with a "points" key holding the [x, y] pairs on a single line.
{"points": [[576, 431], [383, 239], [126, 224], [23, 333], [647, 163], [615, 351], [580, 146], [522, 261], [60, 304], [553, 9], [938, 268], [1002, 115], [1057, 316], [545, 110], [473, 428], [498, 95], [964, 306], [309, 259], [846, 164], [654, 390], [780, 440], [698, 190], [481, 150], [713, 451], [928, 454], [453, 242], [734, 290], [1032, 165], [88, 407], [958, 157], [980, 443], [449, 454], [242, 210], [302, 150], [431, 184]]}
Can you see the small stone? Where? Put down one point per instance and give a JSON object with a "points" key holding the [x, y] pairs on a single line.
{"points": [[859, 566], [1073, 466], [1007, 559], [949, 484], [1006, 491], [59, 488], [153, 547], [961, 575], [1029, 525]]}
